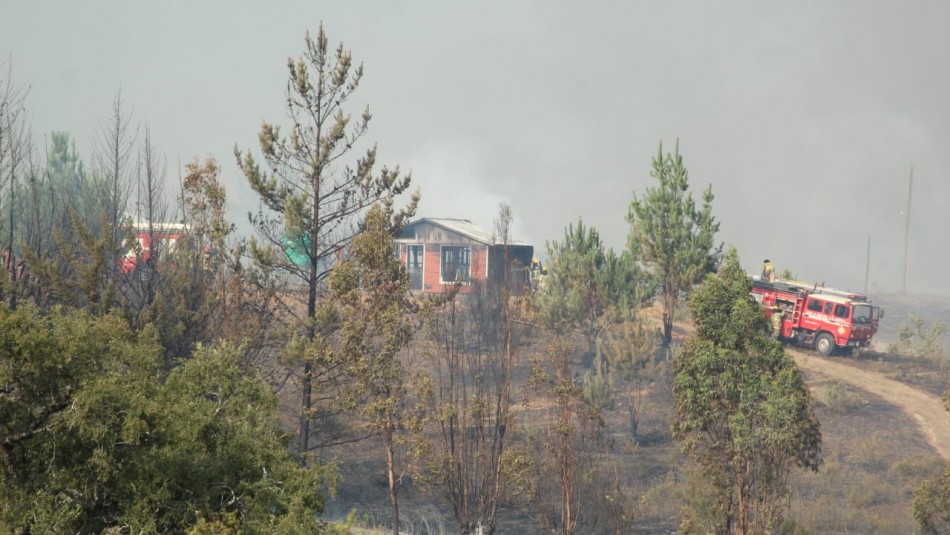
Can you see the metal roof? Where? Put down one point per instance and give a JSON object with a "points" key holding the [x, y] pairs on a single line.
{"points": [[462, 227]]}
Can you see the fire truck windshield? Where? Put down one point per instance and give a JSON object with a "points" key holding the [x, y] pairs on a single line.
{"points": [[862, 314]]}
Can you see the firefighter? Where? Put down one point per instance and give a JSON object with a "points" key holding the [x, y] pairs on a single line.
{"points": [[534, 274], [778, 316], [768, 271]]}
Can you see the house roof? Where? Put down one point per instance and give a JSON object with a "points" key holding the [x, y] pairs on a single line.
{"points": [[462, 227]]}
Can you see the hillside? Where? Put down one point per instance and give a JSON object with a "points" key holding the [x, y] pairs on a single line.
{"points": [[883, 425]]}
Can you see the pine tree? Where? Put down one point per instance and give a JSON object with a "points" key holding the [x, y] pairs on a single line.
{"points": [[585, 283], [598, 383], [676, 238], [630, 349], [315, 200]]}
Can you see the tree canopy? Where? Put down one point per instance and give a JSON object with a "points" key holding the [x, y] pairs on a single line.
{"points": [[93, 435], [587, 281], [742, 408]]}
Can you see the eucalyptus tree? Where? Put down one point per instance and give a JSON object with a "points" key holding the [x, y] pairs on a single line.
{"points": [[743, 411]]}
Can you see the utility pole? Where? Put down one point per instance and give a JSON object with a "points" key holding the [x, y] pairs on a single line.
{"points": [[867, 267], [910, 191]]}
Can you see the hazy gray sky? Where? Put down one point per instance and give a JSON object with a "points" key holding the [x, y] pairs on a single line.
{"points": [[804, 116]]}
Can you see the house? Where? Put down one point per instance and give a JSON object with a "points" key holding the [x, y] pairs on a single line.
{"points": [[442, 252]]}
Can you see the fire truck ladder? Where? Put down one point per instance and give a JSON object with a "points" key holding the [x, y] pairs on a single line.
{"points": [[799, 307]]}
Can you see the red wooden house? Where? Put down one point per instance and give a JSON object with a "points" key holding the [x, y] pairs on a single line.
{"points": [[442, 252]]}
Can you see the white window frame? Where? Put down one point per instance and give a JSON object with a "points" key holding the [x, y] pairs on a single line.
{"points": [[441, 263]]}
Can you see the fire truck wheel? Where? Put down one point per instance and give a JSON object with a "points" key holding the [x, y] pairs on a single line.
{"points": [[825, 344]]}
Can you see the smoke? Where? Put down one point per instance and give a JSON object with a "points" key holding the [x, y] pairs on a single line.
{"points": [[804, 117], [451, 175]]}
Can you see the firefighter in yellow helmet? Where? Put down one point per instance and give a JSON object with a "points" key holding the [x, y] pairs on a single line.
{"points": [[768, 271]]}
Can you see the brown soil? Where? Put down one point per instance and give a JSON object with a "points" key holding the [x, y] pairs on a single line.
{"points": [[924, 408]]}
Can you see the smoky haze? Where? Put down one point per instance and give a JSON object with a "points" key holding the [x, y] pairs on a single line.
{"points": [[804, 117]]}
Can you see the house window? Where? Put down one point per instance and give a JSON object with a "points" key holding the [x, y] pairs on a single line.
{"points": [[456, 263], [415, 262]]}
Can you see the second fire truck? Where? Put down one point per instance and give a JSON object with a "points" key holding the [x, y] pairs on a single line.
{"points": [[824, 318]]}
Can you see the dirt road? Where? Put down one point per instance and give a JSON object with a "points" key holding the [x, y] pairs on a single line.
{"points": [[926, 409]]}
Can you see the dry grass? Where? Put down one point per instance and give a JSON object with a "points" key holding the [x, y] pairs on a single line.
{"points": [[874, 458], [921, 372]]}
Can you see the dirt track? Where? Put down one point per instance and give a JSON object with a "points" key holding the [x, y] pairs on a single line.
{"points": [[926, 409]]}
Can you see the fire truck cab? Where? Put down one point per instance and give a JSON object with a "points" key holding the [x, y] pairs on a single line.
{"points": [[824, 318]]}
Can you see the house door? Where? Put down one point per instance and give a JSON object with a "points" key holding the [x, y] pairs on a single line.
{"points": [[414, 266]]}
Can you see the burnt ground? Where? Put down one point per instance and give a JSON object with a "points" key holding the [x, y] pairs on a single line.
{"points": [[883, 425]]}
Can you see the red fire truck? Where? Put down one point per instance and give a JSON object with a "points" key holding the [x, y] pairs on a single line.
{"points": [[824, 318], [160, 237]]}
